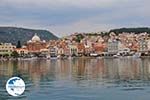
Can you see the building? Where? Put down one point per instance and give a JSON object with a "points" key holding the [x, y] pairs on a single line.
{"points": [[6, 48], [44, 52], [67, 51], [143, 46], [148, 44], [73, 49], [87, 50], [81, 48], [35, 44], [60, 52], [22, 51], [113, 46], [53, 51], [98, 48]]}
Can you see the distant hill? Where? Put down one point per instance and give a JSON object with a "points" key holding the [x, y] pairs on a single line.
{"points": [[13, 34], [130, 30]]}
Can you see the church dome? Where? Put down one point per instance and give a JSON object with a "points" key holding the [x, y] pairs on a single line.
{"points": [[36, 38]]}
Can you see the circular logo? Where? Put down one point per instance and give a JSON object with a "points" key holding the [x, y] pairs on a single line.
{"points": [[15, 86]]}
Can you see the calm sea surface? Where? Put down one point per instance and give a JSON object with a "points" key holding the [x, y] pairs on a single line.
{"points": [[79, 79]]}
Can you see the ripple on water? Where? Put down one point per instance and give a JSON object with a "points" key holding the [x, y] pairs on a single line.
{"points": [[133, 89]]}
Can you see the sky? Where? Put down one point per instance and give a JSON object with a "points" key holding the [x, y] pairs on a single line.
{"points": [[64, 17]]}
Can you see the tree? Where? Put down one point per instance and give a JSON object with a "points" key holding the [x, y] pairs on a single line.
{"points": [[15, 54], [18, 44], [79, 37], [5, 55]]}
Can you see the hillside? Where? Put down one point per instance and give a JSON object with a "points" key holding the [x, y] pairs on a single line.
{"points": [[130, 30], [13, 34]]}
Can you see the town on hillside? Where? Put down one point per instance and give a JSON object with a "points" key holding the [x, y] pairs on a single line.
{"points": [[80, 45]]}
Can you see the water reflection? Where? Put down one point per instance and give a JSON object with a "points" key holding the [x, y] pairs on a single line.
{"points": [[44, 76]]}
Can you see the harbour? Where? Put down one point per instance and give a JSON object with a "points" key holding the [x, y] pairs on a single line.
{"points": [[79, 78]]}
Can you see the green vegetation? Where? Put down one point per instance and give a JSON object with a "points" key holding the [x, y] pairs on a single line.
{"points": [[104, 34], [13, 35], [130, 30], [18, 44], [15, 54], [93, 34], [98, 34], [79, 37]]}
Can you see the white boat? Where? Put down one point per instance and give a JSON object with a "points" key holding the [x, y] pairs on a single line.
{"points": [[93, 54], [137, 55], [115, 56], [48, 56], [29, 58]]}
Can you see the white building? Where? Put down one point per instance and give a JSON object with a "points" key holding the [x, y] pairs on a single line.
{"points": [[148, 44], [113, 46], [6, 48], [143, 46], [73, 49], [53, 51]]}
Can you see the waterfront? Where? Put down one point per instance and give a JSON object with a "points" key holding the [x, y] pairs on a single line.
{"points": [[79, 79]]}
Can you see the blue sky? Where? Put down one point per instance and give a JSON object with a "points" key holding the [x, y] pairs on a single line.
{"points": [[64, 17]]}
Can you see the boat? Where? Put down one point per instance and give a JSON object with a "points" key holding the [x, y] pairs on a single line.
{"points": [[93, 54], [137, 55], [115, 56], [48, 56], [53, 58]]}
